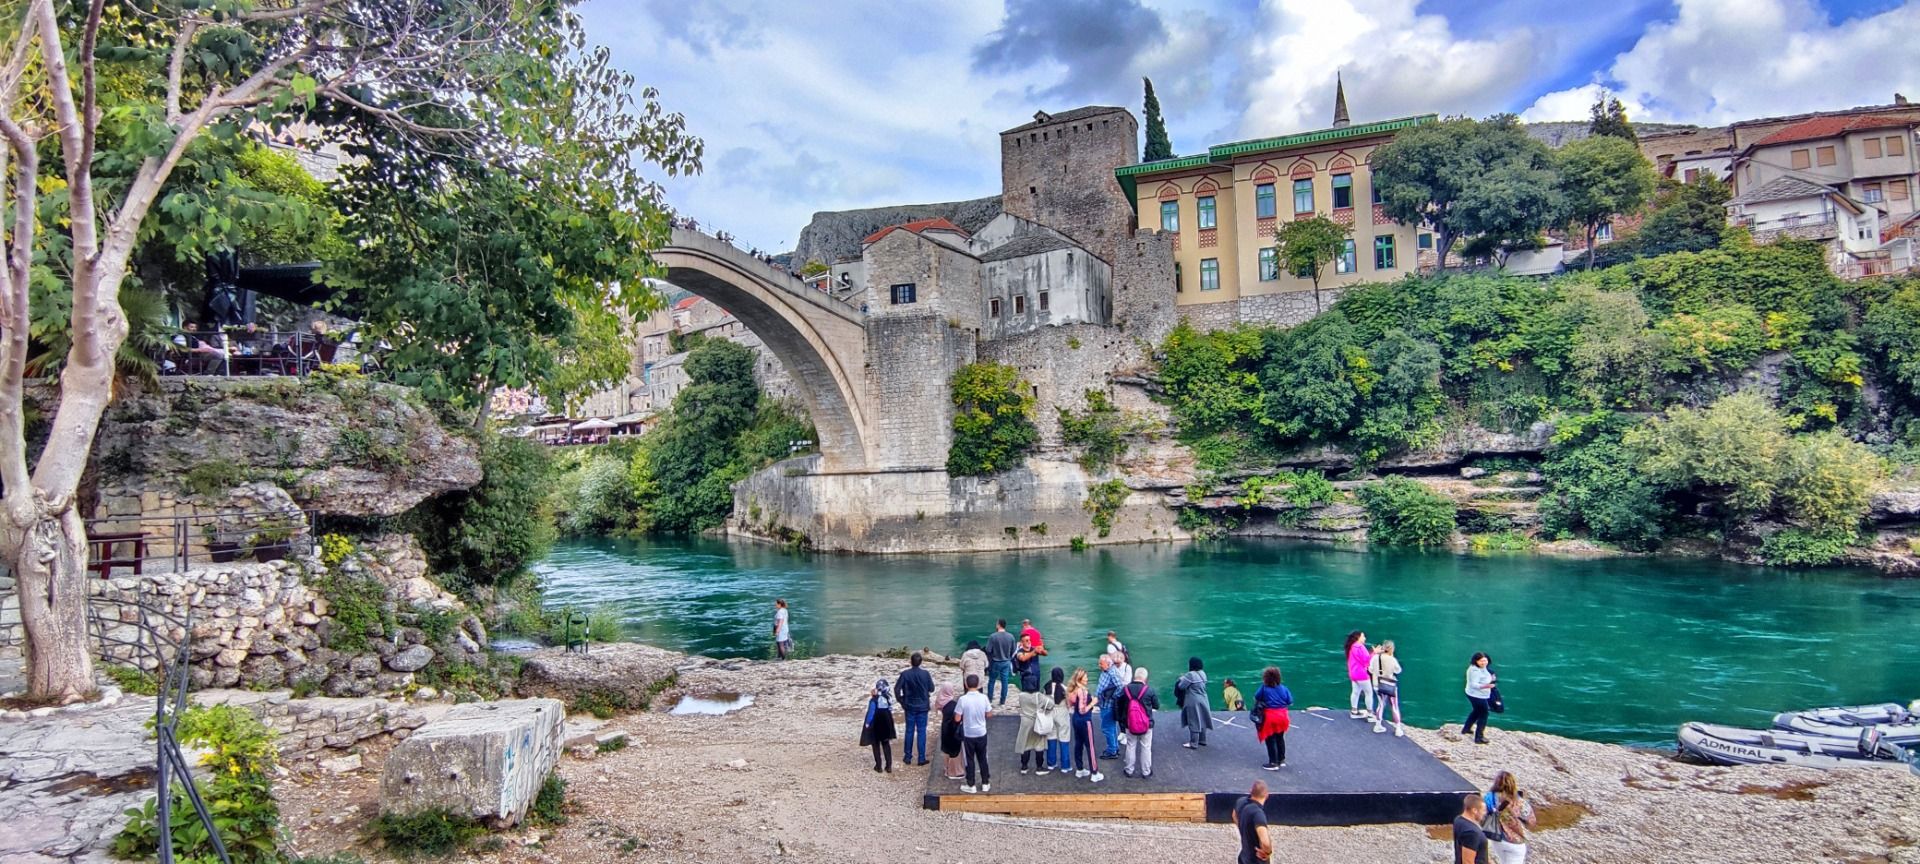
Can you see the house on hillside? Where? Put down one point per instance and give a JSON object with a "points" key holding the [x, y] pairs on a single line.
{"points": [[1847, 179]]}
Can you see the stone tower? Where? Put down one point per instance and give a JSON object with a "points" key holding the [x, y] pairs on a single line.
{"points": [[1058, 171]]}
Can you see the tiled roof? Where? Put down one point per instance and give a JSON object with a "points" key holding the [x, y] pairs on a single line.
{"points": [[1065, 117], [917, 226], [1020, 247], [687, 303], [1831, 127], [1222, 154], [1782, 189]]}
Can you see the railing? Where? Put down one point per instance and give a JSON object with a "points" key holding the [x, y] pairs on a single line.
{"points": [[176, 542], [237, 352]]}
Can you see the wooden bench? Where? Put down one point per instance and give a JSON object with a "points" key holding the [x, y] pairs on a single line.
{"points": [[100, 546]]}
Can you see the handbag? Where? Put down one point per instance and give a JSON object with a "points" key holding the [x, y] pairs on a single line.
{"points": [[1494, 702], [1258, 714]]}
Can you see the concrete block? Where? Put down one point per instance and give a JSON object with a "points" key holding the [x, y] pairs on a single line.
{"points": [[483, 759]]}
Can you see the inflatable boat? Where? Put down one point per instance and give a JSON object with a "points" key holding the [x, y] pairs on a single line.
{"points": [[1884, 714], [1729, 745], [1902, 734]]}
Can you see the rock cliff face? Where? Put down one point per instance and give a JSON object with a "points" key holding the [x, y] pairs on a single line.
{"points": [[834, 235]]}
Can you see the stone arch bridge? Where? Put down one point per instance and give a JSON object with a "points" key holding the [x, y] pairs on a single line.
{"points": [[821, 340]]}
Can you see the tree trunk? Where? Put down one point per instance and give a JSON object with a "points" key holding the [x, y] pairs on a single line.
{"points": [[1443, 243], [48, 556], [1593, 231]]}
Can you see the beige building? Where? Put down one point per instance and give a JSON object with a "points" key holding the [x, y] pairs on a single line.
{"points": [[1223, 208], [1849, 179]]}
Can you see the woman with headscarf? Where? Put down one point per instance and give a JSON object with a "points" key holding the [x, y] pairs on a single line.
{"points": [[947, 705], [876, 730], [1196, 713], [1060, 740]]}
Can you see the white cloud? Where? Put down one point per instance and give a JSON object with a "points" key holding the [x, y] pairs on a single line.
{"points": [[1577, 104], [1716, 61], [1395, 62]]}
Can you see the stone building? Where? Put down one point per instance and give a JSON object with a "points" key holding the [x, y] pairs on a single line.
{"points": [[658, 372], [1223, 207], [1848, 179]]}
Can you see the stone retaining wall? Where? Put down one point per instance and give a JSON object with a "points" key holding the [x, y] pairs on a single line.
{"points": [[307, 728]]}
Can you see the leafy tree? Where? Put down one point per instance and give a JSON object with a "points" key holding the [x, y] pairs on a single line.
{"points": [[1307, 246], [1158, 146], [1892, 329], [1728, 453], [1404, 513], [1212, 378], [1311, 380], [1687, 217], [1718, 338], [1594, 484], [1610, 120], [1827, 481], [1400, 400], [1465, 178], [1600, 178], [696, 460], [487, 535], [1601, 337], [992, 420]]}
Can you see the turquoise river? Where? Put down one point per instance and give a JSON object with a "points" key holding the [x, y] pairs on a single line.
{"points": [[1618, 650]]}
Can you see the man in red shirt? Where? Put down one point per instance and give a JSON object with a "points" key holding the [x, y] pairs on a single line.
{"points": [[1028, 631]]}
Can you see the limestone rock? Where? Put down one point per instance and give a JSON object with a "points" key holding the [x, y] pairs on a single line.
{"points": [[413, 659], [343, 765], [483, 759], [626, 668], [1896, 505]]}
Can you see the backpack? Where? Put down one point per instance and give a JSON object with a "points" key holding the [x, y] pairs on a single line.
{"points": [[1139, 722], [1180, 693]]}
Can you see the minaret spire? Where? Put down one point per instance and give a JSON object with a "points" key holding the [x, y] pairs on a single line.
{"points": [[1339, 102]]}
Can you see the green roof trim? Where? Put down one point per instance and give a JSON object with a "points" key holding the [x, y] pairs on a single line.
{"points": [[1224, 153]]}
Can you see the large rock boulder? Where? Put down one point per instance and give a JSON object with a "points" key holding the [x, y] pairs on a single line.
{"points": [[624, 674], [486, 760], [1896, 505]]}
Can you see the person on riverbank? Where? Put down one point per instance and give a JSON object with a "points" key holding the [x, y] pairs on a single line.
{"points": [[876, 731], [1384, 669], [1360, 693], [1106, 691], [974, 710], [1469, 842], [1114, 645], [1230, 697], [1196, 711], [1080, 706], [782, 633], [1060, 738], [973, 661], [948, 705], [1030, 742], [1250, 822], [1137, 703], [914, 690], [1000, 648], [1272, 716], [1031, 633], [1510, 817], [1480, 683]]}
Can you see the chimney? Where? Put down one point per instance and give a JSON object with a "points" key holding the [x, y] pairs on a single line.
{"points": [[1899, 99], [1339, 102]]}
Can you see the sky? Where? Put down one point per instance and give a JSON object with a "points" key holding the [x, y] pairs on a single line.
{"points": [[860, 103]]}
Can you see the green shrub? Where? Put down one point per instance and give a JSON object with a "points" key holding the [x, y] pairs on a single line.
{"points": [[1594, 484], [1718, 338], [1103, 501], [602, 503], [1405, 513], [992, 420], [434, 833], [1098, 431], [487, 535], [138, 682], [237, 786], [1827, 481], [603, 704], [1211, 379], [1077, 543], [550, 803], [335, 548], [1807, 547], [611, 745], [1892, 329], [358, 607], [1729, 452], [213, 477], [1502, 541]]}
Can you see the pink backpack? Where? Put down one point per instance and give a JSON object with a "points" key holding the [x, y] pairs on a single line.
{"points": [[1138, 722]]}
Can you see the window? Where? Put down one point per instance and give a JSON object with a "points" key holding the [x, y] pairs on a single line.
{"points": [[1043, 301], [1019, 304], [1604, 233], [993, 307], [902, 294], [1263, 201], [1896, 146], [1801, 159], [1204, 204], [1269, 264], [1373, 190], [1303, 195], [1209, 274], [1177, 287], [1871, 193], [1342, 191], [1691, 175], [1897, 190], [1872, 146], [1383, 252], [1344, 263], [1170, 216], [1823, 156], [1426, 241]]}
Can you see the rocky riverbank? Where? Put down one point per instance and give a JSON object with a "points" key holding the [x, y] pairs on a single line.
{"points": [[783, 780]]}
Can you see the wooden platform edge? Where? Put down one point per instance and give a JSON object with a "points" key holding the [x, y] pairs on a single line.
{"points": [[1155, 806]]}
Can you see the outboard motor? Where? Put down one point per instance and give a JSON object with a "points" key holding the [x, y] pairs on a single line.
{"points": [[1870, 743]]}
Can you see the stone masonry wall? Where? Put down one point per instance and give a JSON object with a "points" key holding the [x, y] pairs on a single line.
{"points": [[909, 364], [1284, 309], [1059, 173]]}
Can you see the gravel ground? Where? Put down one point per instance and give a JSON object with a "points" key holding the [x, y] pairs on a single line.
{"points": [[806, 792]]}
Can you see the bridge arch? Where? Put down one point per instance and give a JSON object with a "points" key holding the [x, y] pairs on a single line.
{"points": [[820, 340]]}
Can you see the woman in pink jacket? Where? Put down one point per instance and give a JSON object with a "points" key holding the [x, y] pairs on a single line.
{"points": [[1358, 656]]}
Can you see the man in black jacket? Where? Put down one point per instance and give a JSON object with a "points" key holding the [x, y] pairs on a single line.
{"points": [[914, 689]]}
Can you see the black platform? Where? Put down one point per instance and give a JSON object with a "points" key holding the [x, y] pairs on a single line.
{"points": [[1338, 772]]}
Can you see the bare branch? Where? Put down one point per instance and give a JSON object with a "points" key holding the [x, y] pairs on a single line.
{"points": [[88, 96], [176, 67], [13, 324]]}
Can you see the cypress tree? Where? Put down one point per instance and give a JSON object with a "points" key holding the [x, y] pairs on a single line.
{"points": [[1610, 118], [1158, 147]]}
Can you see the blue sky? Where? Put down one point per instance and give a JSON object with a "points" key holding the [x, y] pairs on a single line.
{"points": [[862, 103]]}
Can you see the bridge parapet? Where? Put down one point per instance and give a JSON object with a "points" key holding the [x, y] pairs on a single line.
{"points": [[706, 244]]}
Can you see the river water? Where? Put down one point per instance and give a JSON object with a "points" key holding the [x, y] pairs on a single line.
{"points": [[1620, 650]]}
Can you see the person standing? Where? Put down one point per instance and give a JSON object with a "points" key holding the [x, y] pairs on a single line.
{"points": [[877, 730], [1480, 683], [1114, 645], [948, 705], [914, 690], [974, 710], [1250, 821], [1060, 740], [1080, 705], [973, 661], [782, 635], [1031, 633], [1230, 697], [1361, 691], [1137, 703], [1030, 741], [1272, 716], [1512, 817], [1384, 668], [1196, 711], [1107, 691], [1469, 842], [1000, 648]]}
